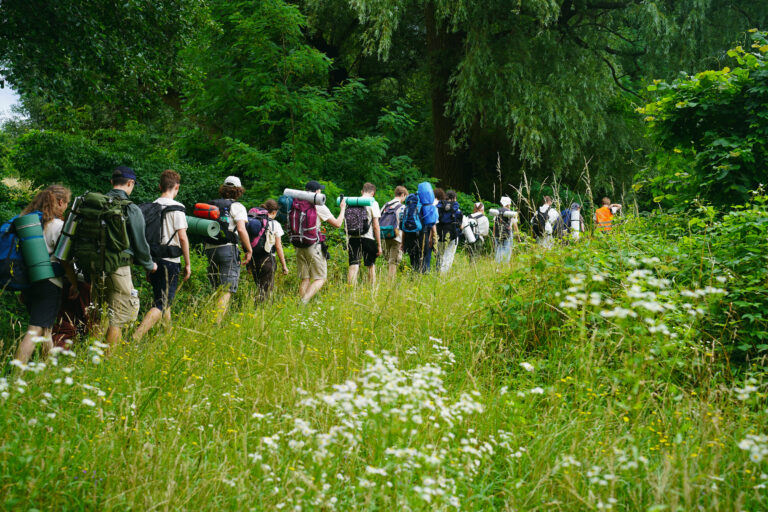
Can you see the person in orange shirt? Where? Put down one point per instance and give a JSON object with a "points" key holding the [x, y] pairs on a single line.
{"points": [[604, 215]]}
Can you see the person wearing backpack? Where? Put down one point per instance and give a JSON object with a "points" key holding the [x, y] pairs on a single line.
{"points": [[391, 217], [574, 221], [306, 236], [547, 223], [224, 254], [264, 248], [419, 224], [480, 228], [604, 215], [166, 232], [504, 228], [361, 224], [43, 298], [448, 227]]}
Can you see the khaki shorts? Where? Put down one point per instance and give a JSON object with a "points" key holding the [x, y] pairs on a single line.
{"points": [[392, 252], [122, 307], [311, 263]]}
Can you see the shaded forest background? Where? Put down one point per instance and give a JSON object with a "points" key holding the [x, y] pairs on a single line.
{"points": [[388, 91]]}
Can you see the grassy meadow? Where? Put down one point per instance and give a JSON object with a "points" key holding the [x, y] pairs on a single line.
{"points": [[587, 377]]}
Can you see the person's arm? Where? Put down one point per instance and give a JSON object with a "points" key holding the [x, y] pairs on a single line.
{"points": [[184, 243], [245, 241], [338, 221], [69, 271], [139, 245], [377, 234], [434, 235], [281, 254]]}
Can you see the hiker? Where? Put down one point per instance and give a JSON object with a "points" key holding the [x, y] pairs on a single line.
{"points": [[480, 228], [604, 215], [419, 225], [547, 223], [361, 224], [448, 230], [75, 317], [389, 226], [166, 232], [43, 298], [104, 253], [262, 264], [224, 255], [504, 228], [573, 221], [311, 252]]}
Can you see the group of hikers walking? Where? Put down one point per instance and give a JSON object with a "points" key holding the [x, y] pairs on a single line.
{"points": [[92, 251]]}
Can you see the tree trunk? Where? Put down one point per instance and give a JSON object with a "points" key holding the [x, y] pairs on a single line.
{"points": [[443, 54]]}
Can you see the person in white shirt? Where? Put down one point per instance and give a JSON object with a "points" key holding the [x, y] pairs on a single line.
{"points": [[393, 247], [311, 261], [43, 298], [165, 280], [224, 258], [481, 228], [505, 226], [552, 218], [367, 247]]}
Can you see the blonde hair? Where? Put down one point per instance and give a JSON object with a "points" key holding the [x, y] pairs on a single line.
{"points": [[45, 201]]}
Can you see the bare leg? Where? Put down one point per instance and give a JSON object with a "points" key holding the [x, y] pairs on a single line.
{"points": [[312, 290], [392, 271], [372, 275], [352, 274], [303, 287], [167, 318], [150, 319], [221, 306], [114, 335], [27, 345]]}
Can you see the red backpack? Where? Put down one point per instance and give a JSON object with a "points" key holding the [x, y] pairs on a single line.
{"points": [[302, 223]]}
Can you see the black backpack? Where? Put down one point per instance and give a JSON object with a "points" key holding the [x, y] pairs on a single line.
{"points": [[449, 219], [225, 235], [154, 220], [502, 225], [356, 221], [540, 222]]}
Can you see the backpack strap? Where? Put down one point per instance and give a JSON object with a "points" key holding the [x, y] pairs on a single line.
{"points": [[165, 211]]}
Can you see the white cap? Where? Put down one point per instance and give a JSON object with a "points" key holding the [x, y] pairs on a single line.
{"points": [[505, 201], [233, 181]]}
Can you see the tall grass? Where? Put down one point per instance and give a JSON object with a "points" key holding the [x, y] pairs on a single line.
{"points": [[429, 393]]}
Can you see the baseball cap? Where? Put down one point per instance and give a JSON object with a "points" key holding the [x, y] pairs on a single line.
{"points": [[124, 172], [505, 201], [313, 185], [233, 181]]}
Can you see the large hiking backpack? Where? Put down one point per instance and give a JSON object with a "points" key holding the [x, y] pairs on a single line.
{"points": [[448, 220], [101, 238], [302, 223], [13, 271], [410, 222], [539, 223], [225, 236], [475, 225], [502, 225], [566, 215], [258, 221], [154, 220], [388, 220], [356, 221]]}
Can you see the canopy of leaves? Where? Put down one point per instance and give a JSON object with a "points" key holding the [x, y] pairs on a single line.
{"points": [[717, 120]]}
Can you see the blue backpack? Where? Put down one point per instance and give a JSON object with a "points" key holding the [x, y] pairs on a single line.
{"points": [[566, 214], [449, 220], [410, 222], [13, 271]]}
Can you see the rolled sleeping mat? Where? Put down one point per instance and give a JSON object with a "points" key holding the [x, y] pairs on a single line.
{"points": [[508, 214], [203, 227], [33, 248], [206, 211], [469, 235], [355, 201], [316, 198]]}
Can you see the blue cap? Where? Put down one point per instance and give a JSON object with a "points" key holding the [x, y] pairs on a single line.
{"points": [[124, 172]]}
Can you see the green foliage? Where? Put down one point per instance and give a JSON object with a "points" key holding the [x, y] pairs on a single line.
{"points": [[715, 119]]}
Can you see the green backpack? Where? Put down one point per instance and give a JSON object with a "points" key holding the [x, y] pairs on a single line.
{"points": [[101, 237]]}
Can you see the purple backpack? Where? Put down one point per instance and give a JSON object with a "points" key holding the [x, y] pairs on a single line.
{"points": [[302, 223]]}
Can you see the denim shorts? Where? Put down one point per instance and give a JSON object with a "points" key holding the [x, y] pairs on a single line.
{"points": [[224, 266], [164, 282]]}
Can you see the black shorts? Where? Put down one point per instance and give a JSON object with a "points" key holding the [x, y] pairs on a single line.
{"points": [[43, 300], [164, 282], [362, 249]]}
